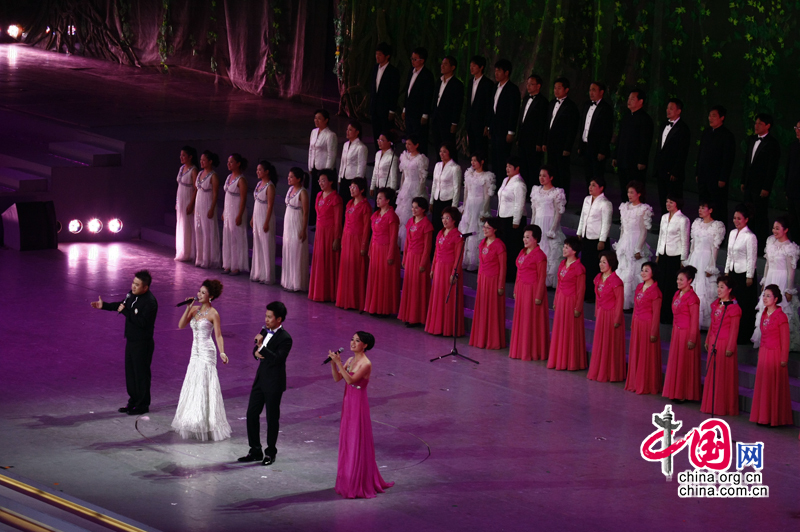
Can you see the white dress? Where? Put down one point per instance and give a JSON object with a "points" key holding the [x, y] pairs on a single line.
{"points": [[235, 254], [781, 264], [547, 206], [263, 268], [206, 230], [201, 412], [294, 253], [478, 189], [184, 226], [415, 175], [706, 239], [635, 220]]}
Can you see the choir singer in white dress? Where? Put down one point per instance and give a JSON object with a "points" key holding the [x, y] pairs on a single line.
{"points": [[547, 205], [707, 236], [235, 253], [206, 231], [479, 187], [413, 176], [263, 224], [184, 205], [632, 250]]}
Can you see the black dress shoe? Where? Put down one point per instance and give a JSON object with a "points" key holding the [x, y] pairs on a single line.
{"points": [[133, 411], [251, 458], [268, 460], [123, 410]]}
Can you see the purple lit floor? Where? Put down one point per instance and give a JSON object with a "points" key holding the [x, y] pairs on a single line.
{"points": [[504, 445]]}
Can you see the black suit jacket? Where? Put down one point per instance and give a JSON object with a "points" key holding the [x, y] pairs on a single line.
{"points": [[759, 174], [532, 129], [715, 156], [384, 99], [634, 140], [504, 117], [600, 130], [479, 110], [448, 110], [561, 135], [271, 373], [793, 172], [671, 157], [419, 101], [140, 316]]}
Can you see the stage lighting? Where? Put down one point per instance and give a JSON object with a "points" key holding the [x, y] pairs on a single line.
{"points": [[75, 226], [14, 31], [115, 225], [94, 225]]}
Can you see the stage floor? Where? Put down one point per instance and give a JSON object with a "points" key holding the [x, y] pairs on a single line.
{"points": [[504, 445]]}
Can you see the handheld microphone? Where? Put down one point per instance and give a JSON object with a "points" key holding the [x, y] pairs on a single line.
{"points": [[125, 301], [467, 235], [329, 358], [182, 303]]}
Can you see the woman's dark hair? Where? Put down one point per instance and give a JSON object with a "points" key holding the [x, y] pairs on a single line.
{"points": [[278, 309], [454, 214], [241, 160], [785, 221], [599, 181], [214, 288], [300, 174], [775, 292], [514, 161], [191, 152], [653, 269], [355, 124], [270, 168], [637, 186], [480, 157], [325, 114], [414, 138], [729, 281], [330, 175], [451, 149], [574, 242], [421, 202], [611, 257], [674, 198], [494, 223], [551, 170], [144, 276], [743, 210], [688, 271], [707, 203], [360, 182], [366, 338], [389, 136], [535, 230], [213, 157], [388, 193]]}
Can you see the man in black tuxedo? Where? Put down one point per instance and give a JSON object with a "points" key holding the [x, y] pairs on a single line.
{"points": [[671, 153], [563, 118], [503, 118], [273, 344], [715, 163], [632, 152], [448, 101], [760, 169], [793, 178], [139, 308], [597, 119], [480, 90], [419, 97], [383, 89], [532, 131]]}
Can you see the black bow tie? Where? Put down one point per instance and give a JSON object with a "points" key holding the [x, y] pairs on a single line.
{"points": [[594, 103], [670, 124]]}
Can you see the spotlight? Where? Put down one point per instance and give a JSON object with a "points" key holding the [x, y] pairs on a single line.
{"points": [[94, 225], [75, 226], [14, 31], [115, 225]]}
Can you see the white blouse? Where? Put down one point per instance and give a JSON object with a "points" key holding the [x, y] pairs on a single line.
{"points": [[673, 236], [511, 199], [742, 251], [322, 149], [354, 160], [386, 171], [446, 182], [595, 218]]}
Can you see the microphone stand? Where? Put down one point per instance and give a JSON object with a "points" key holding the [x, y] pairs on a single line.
{"points": [[454, 352]]}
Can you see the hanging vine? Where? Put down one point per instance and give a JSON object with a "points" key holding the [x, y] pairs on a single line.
{"points": [[164, 48]]}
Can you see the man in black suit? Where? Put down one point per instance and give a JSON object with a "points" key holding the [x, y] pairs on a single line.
{"points": [[449, 99], [597, 119], [793, 178], [563, 118], [715, 163], [503, 118], [632, 152], [532, 131], [419, 97], [760, 169], [671, 153], [383, 89], [480, 90], [139, 308], [273, 344]]}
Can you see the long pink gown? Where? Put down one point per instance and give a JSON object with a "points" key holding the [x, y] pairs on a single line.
{"points": [[772, 402], [725, 392], [682, 379], [530, 330], [608, 346], [568, 341], [644, 356]]}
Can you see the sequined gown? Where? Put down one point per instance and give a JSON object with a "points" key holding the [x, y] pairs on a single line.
{"points": [[184, 226]]}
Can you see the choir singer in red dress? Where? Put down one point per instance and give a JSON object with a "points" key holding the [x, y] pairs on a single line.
{"points": [[682, 381], [352, 284], [327, 242], [644, 354], [568, 341], [449, 250], [417, 265], [608, 347], [383, 279], [489, 319], [530, 330]]}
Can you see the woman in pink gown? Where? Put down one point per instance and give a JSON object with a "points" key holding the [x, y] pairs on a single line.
{"points": [[351, 287], [530, 329], [417, 265], [383, 279], [449, 249], [489, 319], [568, 341], [608, 346], [682, 380], [327, 241], [644, 354], [357, 474]]}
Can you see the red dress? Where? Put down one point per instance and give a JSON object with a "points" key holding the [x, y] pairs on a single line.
{"points": [[440, 315], [325, 262], [726, 390], [772, 404], [608, 346], [682, 380], [352, 284], [416, 284], [489, 319], [644, 356], [383, 280], [530, 329], [568, 342]]}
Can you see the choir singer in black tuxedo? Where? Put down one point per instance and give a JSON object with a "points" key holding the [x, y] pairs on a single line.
{"points": [[419, 97], [597, 122], [448, 101], [504, 112], [384, 86], [715, 163], [632, 152], [671, 153], [760, 169], [562, 117], [532, 131], [480, 90], [272, 347]]}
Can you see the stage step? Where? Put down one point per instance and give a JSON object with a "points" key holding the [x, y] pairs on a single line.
{"points": [[22, 181], [159, 234], [296, 153], [86, 153]]}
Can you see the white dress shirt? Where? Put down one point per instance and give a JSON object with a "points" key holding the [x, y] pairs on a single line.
{"points": [[589, 115], [742, 252], [756, 144], [497, 94], [475, 82], [673, 236], [354, 160], [385, 173], [446, 182], [556, 107], [322, 149], [381, 70], [511, 199], [268, 337], [411, 84], [595, 218], [442, 87], [665, 133], [527, 106]]}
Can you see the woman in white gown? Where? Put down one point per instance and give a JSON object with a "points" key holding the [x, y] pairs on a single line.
{"points": [[479, 187], [632, 250], [547, 206], [781, 254], [206, 225], [707, 236], [235, 252], [294, 253], [201, 411], [413, 176], [184, 205], [263, 224]]}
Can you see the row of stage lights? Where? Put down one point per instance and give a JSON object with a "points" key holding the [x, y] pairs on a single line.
{"points": [[95, 226]]}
